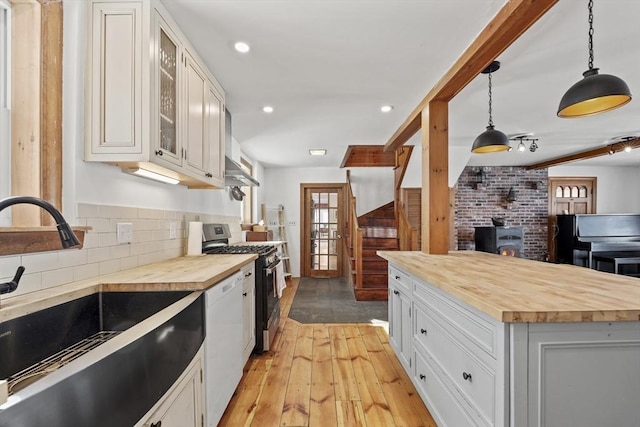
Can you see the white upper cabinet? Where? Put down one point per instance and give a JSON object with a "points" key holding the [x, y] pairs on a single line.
{"points": [[151, 103]]}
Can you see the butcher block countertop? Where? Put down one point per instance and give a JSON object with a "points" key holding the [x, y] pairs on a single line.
{"points": [[190, 273], [518, 290]]}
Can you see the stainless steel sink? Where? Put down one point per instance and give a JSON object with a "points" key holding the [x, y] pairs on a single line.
{"points": [[103, 359]]}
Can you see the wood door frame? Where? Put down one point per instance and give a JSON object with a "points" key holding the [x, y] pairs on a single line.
{"points": [[304, 226], [551, 215]]}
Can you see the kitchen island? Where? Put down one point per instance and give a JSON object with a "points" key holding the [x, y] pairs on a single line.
{"points": [[500, 341]]}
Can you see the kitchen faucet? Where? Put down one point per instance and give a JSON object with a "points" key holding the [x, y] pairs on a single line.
{"points": [[67, 237]]}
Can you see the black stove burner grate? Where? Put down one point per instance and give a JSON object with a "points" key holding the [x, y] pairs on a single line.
{"points": [[241, 249]]}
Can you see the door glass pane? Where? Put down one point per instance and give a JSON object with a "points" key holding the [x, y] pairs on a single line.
{"points": [[567, 192], [333, 262], [574, 192], [167, 96], [333, 200]]}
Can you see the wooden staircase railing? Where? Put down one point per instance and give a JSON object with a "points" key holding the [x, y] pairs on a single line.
{"points": [[354, 238], [407, 235]]}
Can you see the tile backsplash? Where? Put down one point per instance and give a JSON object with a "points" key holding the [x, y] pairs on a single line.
{"points": [[101, 253]]}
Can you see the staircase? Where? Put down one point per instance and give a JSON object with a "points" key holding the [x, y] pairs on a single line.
{"points": [[379, 232]]}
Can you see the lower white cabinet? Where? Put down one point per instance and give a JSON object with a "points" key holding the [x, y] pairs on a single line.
{"points": [[400, 317], [248, 311], [183, 404]]}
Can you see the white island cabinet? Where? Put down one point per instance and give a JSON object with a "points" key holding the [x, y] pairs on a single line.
{"points": [[500, 341], [151, 103]]}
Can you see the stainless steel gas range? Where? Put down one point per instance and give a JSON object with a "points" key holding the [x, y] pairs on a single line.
{"points": [[216, 241]]}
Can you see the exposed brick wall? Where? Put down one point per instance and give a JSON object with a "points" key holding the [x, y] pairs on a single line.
{"points": [[475, 207]]}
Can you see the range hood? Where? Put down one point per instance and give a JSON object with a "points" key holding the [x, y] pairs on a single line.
{"points": [[234, 175]]}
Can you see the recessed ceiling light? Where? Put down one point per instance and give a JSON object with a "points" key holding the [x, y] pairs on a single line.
{"points": [[241, 47], [267, 109], [318, 152], [386, 108], [627, 149]]}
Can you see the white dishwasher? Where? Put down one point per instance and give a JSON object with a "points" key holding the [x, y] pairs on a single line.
{"points": [[223, 345]]}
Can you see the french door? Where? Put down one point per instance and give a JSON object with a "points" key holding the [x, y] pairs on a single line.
{"points": [[322, 229]]}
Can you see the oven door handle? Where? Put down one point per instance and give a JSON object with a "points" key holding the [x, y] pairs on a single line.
{"points": [[272, 268]]}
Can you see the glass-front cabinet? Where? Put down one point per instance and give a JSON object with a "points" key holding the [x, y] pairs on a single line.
{"points": [[167, 70]]}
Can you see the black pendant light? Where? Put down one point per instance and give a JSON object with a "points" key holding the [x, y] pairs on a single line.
{"points": [[595, 93], [491, 140]]}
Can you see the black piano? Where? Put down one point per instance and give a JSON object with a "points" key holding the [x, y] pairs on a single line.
{"points": [[579, 236]]}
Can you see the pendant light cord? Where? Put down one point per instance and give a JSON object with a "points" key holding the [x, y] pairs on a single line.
{"points": [[490, 116], [590, 35]]}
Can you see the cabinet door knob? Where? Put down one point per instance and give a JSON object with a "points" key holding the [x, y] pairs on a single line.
{"points": [[158, 424], [423, 331], [158, 153], [244, 294], [396, 292], [249, 274], [397, 277], [423, 377], [466, 376]]}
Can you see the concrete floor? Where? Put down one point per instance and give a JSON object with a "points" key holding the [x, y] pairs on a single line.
{"points": [[331, 300]]}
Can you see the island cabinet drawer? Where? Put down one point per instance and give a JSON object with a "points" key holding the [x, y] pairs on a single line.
{"points": [[401, 279], [446, 409], [474, 378], [463, 321]]}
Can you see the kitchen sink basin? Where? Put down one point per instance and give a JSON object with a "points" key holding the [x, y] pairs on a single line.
{"points": [[103, 359]]}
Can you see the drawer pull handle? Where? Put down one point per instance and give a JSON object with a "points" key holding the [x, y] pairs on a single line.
{"points": [[158, 424], [397, 277], [423, 377], [423, 331], [396, 292], [466, 376], [244, 294]]}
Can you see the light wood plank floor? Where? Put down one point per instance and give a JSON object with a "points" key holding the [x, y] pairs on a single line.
{"points": [[323, 375]]}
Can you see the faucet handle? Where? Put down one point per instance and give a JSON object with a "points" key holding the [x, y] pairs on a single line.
{"points": [[11, 286]]}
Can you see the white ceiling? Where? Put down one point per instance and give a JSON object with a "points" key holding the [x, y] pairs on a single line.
{"points": [[326, 67]]}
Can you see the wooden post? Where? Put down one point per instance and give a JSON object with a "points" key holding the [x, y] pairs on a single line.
{"points": [[435, 178]]}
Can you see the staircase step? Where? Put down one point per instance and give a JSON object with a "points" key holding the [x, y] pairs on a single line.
{"points": [[371, 294], [386, 243], [377, 222], [391, 232], [374, 263], [374, 279]]}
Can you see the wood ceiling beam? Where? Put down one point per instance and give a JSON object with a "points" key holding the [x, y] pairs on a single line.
{"points": [[515, 17], [589, 154]]}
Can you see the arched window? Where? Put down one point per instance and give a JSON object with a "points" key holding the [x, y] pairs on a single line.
{"points": [[583, 191], [567, 192], [574, 192], [559, 191]]}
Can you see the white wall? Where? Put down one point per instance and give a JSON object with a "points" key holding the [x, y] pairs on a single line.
{"points": [[618, 188], [458, 159], [282, 187], [102, 184]]}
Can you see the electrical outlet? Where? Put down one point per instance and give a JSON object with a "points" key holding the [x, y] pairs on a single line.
{"points": [[125, 232], [173, 230]]}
